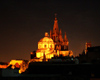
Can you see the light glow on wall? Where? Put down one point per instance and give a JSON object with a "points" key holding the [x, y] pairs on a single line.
{"points": [[45, 46]]}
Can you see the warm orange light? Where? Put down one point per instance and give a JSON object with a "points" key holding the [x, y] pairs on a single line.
{"points": [[45, 46], [53, 45], [13, 67], [23, 66], [46, 34], [17, 65], [20, 72], [13, 62], [3, 66], [31, 52], [64, 53]]}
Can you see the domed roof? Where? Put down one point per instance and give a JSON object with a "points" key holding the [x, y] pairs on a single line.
{"points": [[46, 38]]}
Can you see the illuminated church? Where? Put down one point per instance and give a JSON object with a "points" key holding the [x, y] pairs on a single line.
{"points": [[53, 45], [56, 35]]}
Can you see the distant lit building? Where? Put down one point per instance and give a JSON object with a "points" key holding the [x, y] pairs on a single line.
{"points": [[3, 65], [15, 63], [61, 45], [45, 47], [22, 65], [54, 45], [87, 45], [56, 35]]}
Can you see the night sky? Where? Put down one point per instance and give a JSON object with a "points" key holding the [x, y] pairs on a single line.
{"points": [[23, 24]]}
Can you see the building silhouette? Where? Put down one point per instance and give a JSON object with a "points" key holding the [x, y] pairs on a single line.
{"points": [[90, 55]]}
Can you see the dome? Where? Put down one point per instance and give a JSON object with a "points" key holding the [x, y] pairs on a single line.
{"points": [[46, 43], [46, 38], [45, 46]]}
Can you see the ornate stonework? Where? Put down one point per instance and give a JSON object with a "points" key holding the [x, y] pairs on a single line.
{"points": [[53, 45]]}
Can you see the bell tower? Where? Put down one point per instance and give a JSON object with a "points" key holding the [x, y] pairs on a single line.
{"points": [[55, 33], [55, 28], [65, 42]]}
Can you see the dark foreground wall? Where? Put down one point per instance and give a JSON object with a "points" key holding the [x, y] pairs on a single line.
{"points": [[89, 70], [47, 78], [59, 71]]}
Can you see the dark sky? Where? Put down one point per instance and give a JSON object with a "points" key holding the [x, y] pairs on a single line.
{"points": [[23, 24]]}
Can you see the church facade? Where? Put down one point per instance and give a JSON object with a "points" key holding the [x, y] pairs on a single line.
{"points": [[56, 35], [46, 48], [53, 45]]}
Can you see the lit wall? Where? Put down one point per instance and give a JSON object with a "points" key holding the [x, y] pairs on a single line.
{"points": [[66, 53], [3, 66], [13, 62], [45, 46]]}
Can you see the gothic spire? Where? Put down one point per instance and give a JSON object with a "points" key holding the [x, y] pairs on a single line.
{"points": [[55, 28], [65, 37], [60, 32], [55, 16], [50, 33], [60, 36]]}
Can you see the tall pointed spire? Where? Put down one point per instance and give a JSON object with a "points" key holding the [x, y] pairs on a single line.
{"points": [[55, 16], [55, 28], [50, 33], [65, 37], [60, 32], [60, 36]]}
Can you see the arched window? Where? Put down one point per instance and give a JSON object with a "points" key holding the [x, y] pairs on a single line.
{"points": [[45, 46], [50, 46]]}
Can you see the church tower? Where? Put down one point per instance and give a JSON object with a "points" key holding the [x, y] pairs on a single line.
{"points": [[60, 36], [48, 47], [56, 35], [65, 42], [55, 28]]}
